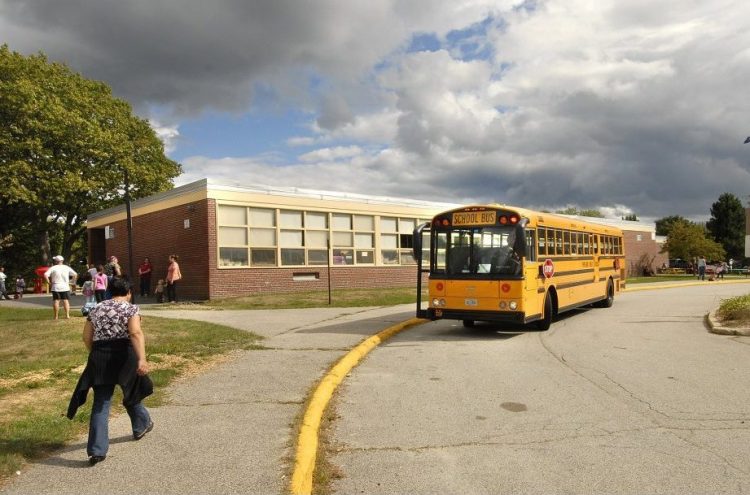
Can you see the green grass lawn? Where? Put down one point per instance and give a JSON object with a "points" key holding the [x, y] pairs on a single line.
{"points": [[340, 298], [41, 360], [674, 278], [346, 298]]}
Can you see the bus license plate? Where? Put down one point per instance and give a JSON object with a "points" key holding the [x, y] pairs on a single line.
{"points": [[470, 302]]}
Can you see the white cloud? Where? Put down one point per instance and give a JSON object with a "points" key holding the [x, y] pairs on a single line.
{"points": [[300, 141], [168, 134], [331, 154]]}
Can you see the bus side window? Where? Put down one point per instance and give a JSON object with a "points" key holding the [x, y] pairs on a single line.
{"points": [[542, 236], [530, 243]]}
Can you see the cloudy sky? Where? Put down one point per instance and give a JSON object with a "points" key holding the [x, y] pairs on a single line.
{"points": [[622, 105]]}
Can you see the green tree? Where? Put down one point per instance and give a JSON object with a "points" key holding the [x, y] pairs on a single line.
{"points": [[687, 241], [632, 217], [727, 225], [664, 225], [65, 143]]}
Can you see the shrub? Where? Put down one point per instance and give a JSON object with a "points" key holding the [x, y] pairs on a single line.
{"points": [[735, 308]]}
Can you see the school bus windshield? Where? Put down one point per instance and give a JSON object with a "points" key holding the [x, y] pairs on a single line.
{"points": [[493, 251]]}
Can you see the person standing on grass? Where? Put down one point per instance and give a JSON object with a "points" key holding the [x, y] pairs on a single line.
{"points": [[117, 356], [144, 271], [173, 275], [58, 277], [111, 269], [20, 287], [3, 290], [702, 268], [100, 284]]}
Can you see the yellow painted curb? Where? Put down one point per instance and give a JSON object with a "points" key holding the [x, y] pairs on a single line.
{"points": [[307, 442]]}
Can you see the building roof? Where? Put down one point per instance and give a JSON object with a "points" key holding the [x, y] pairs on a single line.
{"points": [[208, 188]]}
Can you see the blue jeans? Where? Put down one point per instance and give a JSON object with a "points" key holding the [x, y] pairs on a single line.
{"points": [[99, 426]]}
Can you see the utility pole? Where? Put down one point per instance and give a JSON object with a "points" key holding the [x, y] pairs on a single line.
{"points": [[130, 234]]}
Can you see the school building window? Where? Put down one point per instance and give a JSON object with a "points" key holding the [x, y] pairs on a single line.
{"points": [[266, 237]]}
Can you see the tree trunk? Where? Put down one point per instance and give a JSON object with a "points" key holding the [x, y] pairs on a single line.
{"points": [[44, 247]]}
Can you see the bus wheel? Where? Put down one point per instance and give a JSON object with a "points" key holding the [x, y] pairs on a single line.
{"points": [[546, 320], [610, 300], [468, 323]]}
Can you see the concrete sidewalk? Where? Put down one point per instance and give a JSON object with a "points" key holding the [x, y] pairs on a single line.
{"points": [[229, 430]]}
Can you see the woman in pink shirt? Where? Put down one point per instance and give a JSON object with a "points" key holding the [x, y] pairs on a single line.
{"points": [[100, 284], [173, 275]]}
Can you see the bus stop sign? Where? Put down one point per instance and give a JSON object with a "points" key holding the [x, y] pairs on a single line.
{"points": [[548, 268]]}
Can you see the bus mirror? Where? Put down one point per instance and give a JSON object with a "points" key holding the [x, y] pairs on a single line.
{"points": [[417, 244]]}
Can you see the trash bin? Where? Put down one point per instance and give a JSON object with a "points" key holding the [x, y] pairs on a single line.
{"points": [[39, 280]]}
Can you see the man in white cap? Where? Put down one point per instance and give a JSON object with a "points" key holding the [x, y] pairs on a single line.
{"points": [[58, 276], [3, 290]]}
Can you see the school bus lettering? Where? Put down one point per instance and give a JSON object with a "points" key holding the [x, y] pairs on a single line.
{"points": [[474, 218]]}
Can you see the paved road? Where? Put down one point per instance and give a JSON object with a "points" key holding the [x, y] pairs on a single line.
{"points": [[229, 430], [638, 398]]}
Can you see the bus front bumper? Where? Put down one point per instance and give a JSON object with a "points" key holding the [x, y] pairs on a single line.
{"points": [[491, 316]]}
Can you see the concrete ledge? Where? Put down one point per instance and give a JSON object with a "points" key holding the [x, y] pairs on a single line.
{"points": [[715, 327]]}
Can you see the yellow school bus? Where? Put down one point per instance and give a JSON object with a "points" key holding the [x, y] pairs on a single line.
{"points": [[499, 264]]}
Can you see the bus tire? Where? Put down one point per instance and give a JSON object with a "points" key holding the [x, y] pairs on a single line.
{"points": [[546, 320], [609, 296], [468, 323]]}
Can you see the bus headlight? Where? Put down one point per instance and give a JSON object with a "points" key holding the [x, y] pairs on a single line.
{"points": [[502, 305], [513, 305], [438, 303]]}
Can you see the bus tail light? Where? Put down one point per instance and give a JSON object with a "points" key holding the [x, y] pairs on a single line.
{"points": [[439, 286], [511, 219]]}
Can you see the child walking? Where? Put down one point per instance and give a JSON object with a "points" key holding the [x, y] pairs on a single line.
{"points": [[20, 287], [159, 291], [88, 292]]}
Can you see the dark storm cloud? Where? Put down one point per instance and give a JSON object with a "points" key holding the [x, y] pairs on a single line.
{"points": [[194, 54], [591, 104]]}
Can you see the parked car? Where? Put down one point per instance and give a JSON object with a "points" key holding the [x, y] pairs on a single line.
{"points": [[679, 263]]}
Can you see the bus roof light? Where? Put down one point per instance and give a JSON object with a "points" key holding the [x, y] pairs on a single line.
{"points": [[503, 219], [514, 219]]}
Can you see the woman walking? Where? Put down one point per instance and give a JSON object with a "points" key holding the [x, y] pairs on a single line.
{"points": [[117, 356]]}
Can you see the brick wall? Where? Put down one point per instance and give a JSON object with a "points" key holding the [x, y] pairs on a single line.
{"points": [[635, 248], [157, 235], [228, 282], [246, 281]]}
